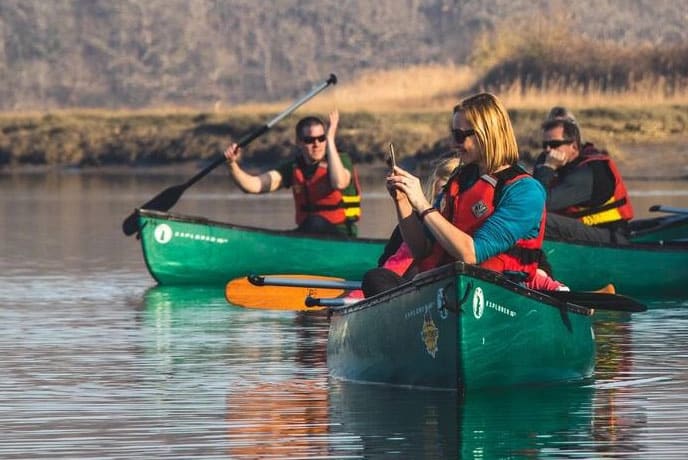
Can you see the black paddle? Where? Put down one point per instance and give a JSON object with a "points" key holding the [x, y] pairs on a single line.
{"points": [[668, 209], [597, 300], [168, 197]]}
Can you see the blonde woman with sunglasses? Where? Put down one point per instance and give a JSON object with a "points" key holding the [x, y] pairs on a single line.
{"points": [[492, 212]]}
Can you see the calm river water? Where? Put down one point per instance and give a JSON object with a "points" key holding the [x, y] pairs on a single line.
{"points": [[97, 362]]}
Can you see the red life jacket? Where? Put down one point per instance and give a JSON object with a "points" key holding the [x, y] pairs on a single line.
{"points": [[468, 209], [315, 195], [616, 208]]}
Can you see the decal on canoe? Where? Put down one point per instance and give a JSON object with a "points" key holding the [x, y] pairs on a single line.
{"points": [[430, 334], [163, 234], [421, 310], [479, 305], [441, 303]]}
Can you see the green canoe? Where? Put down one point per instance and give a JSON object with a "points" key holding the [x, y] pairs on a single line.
{"points": [[460, 327], [195, 251], [191, 250], [671, 227], [644, 270]]}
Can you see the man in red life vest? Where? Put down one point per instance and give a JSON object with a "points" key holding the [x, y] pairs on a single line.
{"points": [[324, 183], [586, 196]]}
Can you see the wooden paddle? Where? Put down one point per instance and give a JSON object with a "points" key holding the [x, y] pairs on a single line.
{"points": [[168, 197], [668, 209], [603, 300], [243, 292]]}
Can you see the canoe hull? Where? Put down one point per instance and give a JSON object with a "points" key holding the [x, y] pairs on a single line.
{"points": [[460, 327], [185, 250], [639, 270], [188, 250]]}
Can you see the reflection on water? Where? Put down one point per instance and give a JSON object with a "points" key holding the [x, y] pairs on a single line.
{"points": [[512, 423], [98, 363]]}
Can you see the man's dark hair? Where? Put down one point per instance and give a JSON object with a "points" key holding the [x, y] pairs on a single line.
{"points": [[571, 130], [305, 123], [560, 113]]}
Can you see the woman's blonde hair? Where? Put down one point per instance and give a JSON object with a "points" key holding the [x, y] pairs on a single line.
{"points": [[493, 130], [443, 169]]}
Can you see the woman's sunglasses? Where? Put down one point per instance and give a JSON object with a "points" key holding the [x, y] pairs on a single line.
{"points": [[312, 139], [460, 135], [555, 144]]}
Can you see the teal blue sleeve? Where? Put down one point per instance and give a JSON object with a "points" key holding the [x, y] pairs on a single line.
{"points": [[517, 215]]}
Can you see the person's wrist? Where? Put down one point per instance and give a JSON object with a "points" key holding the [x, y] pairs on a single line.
{"points": [[422, 215]]}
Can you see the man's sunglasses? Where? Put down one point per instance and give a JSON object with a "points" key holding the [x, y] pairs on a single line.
{"points": [[460, 135], [555, 144], [312, 139]]}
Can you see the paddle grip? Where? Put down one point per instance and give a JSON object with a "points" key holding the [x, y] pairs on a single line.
{"points": [[256, 280]]}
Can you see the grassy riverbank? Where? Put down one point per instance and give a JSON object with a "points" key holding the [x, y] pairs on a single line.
{"points": [[411, 107], [96, 139]]}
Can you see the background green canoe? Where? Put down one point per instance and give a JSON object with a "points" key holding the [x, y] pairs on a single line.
{"points": [[193, 250], [460, 327], [651, 270], [670, 227], [187, 250]]}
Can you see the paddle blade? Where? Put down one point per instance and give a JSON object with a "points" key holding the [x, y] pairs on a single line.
{"points": [[599, 300], [240, 292], [163, 201], [608, 289]]}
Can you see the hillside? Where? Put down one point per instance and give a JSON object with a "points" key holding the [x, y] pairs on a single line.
{"points": [[207, 54]]}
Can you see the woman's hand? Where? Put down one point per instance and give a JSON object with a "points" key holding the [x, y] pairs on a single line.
{"points": [[410, 188]]}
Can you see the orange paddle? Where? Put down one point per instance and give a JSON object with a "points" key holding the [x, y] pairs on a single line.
{"points": [[240, 292]]}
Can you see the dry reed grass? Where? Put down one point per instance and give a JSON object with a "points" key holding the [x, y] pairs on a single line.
{"points": [[435, 88]]}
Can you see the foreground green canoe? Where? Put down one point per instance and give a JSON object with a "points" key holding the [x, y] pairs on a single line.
{"points": [[644, 270], [193, 250], [460, 327]]}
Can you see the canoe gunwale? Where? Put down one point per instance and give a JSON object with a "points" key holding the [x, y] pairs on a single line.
{"points": [[458, 268], [199, 220], [642, 227], [663, 246]]}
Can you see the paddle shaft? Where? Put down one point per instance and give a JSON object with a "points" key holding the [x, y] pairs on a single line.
{"points": [[668, 209], [168, 197], [250, 137], [329, 303], [260, 280], [241, 292]]}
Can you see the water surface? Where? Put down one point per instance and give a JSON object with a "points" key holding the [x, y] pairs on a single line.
{"points": [[100, 363]]}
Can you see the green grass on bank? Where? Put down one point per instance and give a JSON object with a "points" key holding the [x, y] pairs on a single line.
{"points": [[91, 138]]}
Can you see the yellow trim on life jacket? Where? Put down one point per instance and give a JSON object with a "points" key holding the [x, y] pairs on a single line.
{"points": [[603, 217], [352, 206]]}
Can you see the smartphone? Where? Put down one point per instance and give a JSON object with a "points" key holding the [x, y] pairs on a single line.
{"points": [[391, 160]]}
